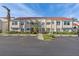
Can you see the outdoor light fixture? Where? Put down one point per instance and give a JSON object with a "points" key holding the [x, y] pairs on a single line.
{"points": [[8, 15]]}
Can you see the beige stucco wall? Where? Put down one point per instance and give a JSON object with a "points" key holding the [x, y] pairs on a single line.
{"points": [[4, 25], [54, 26], [14, 26]]}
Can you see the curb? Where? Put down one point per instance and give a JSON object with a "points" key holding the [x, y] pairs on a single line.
{"points": [[67, 35], [17, 35]]}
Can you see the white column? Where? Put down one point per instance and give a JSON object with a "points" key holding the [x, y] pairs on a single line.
{"points": [[24, 25], [19, 26], [61, 26], [55, 25], [45, 25]]}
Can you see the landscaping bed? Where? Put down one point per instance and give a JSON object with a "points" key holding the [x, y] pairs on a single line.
{"points": [[65, 33], [15, 32], [48, 37]]}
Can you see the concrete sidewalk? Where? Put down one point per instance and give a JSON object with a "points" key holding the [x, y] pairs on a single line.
{"points": [[40, 36], [65, 35], [4, 34], [17, 34]]}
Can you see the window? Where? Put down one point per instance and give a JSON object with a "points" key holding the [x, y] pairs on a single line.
{"points": [[52, 22], [22, 29], [27, 28], [67, 29], [66, 22], [22, 23], [27, 22], [14, 23], [48, 29], [48, 23], [32, 23], [58, 22], [15, 28]]}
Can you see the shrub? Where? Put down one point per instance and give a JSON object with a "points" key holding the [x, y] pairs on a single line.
{"points": [[65, 32], [15, 32], [48, 37], [52, 36], [0, 31], [34, 32], [12, 32]]}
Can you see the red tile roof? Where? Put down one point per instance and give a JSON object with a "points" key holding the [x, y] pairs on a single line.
{"points": [[61, 18], [6, 17], [50, 18], [22, 18]]}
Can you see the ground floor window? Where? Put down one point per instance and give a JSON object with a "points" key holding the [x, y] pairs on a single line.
{"points": [[67, 29], [14, 22], [43, 30], [15, 28], [22, 29], [27, 28]]}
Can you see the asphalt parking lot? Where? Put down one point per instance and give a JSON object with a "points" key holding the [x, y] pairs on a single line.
{"points": [[31, 46]]}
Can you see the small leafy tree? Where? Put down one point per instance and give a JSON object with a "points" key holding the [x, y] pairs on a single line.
{"points": [[35, 27]]}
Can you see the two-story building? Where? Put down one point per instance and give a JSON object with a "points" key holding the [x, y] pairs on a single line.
{"points": [[45, 24]]}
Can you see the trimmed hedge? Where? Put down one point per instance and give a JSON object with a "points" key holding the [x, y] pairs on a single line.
{"points": [[15, 32], [65, 32], [0, 31]]}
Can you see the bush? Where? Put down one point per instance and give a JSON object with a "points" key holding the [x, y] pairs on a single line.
{"points": [[52, 36], [65, 32], [48, 37], [15, 32], [34, 32], [0, 31]]}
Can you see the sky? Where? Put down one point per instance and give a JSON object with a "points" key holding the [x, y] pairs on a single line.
{"points": [[41, 9]]}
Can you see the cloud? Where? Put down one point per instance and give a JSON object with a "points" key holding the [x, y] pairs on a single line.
{"points": [[18, 10], [71, 11], [28, 11], [41, 10]]}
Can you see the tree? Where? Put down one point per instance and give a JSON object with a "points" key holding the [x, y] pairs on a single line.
{"points": [[35, 26]]}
